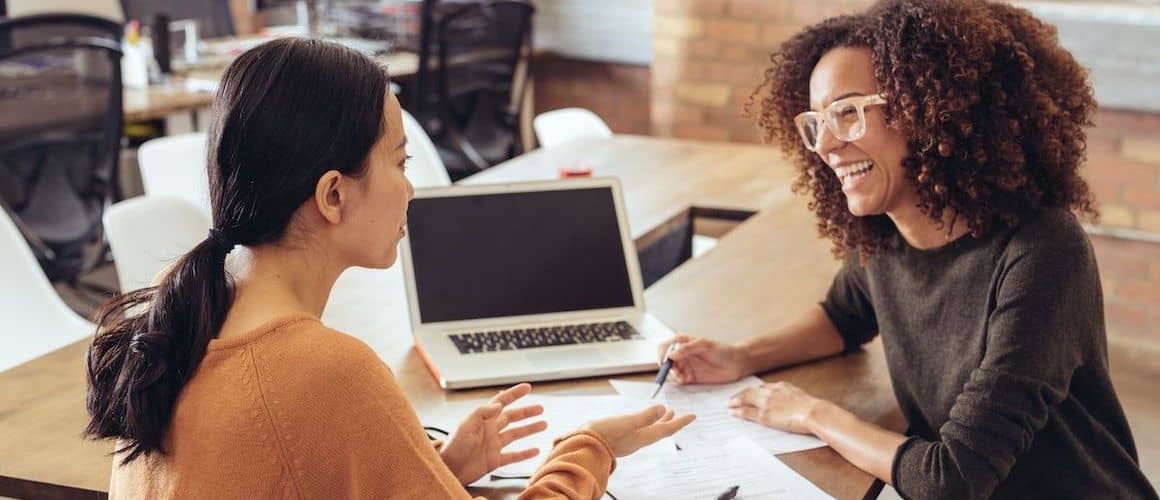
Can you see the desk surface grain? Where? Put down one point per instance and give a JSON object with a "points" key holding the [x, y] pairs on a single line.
{"points": [[761, 274]]}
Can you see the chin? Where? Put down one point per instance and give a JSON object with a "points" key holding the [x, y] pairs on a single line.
{"points": [[862, 208]]}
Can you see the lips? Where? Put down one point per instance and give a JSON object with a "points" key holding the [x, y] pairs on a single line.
{"points": [[852, 175]]}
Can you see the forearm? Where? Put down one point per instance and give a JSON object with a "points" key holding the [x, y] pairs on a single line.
{"points": [[808, 337], [867, 446]]}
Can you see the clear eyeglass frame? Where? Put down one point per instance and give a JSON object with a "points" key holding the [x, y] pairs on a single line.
{"points": [[844, 118]]}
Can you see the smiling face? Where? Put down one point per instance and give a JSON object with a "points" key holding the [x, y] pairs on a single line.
{"points": [[870, 167]]}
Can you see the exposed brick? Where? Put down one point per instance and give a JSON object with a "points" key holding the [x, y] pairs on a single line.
{"points": [[1141, 149], [696, 7], [736, 31], [1143, 196], [703, 49], [1149, 220], [1121, 259], [733, 74], [808, 12], [701, 132], [677, 27], [1102, 142], [1128, 122], [1121, 169], [773, 34], [706, 94], [1112, 214], [760, 9], [667, 48], [673, 113], [1127, 319], [1139, 291]]}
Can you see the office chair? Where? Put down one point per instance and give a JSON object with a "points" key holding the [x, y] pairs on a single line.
{"points": [[467, 95], [60, 134]]}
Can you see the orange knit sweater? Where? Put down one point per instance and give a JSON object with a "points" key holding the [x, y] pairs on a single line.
{"points": [[296, 410]]}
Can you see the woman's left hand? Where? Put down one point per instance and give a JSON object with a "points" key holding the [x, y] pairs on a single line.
{"points": [[780, 405], [476, 447]]}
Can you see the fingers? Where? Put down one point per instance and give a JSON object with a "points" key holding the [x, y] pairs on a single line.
{"points": [[691, 347], [659, 430], [517, 456], [516, 433], [647, 416], [747, 412], [511, 394], [517, 414], [663, 348], [747, 397], [487, 411]]}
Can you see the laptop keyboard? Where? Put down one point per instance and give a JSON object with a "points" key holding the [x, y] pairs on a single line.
{"points": [[507, 340]]}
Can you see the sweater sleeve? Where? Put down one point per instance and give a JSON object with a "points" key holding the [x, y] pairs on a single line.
{"points": [[578, 468], [1047, 312], [848, 306]]}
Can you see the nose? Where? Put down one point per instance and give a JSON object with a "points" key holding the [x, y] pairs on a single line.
{"points": [[827, 144]]}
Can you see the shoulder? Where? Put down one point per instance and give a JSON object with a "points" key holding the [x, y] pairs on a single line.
{"points": [[1046, 230], [1050, 236], [309, 356]]}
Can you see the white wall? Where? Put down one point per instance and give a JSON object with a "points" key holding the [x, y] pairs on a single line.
{"points": [[596, 30], [104, 8]]}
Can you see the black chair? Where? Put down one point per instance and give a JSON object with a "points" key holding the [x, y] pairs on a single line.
{"points": [[467, 95], [60, 134], [213, 17]]}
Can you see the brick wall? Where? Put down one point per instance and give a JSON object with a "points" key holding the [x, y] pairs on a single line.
{"points": [[619, 93]]}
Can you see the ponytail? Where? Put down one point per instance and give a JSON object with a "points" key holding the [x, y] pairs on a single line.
{"points": [[149, 344]]}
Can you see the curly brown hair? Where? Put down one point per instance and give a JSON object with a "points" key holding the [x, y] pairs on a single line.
{"points": [[992, 107]]}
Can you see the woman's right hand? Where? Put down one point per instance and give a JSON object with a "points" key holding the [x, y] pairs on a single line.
{"points": [[699, 360], [628, 433]]}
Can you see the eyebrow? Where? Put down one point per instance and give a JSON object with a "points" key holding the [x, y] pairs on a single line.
{"points": [[400, 145], [847, 94]]}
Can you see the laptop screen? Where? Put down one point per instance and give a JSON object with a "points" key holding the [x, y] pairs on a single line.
{"points": [[512, 254]]}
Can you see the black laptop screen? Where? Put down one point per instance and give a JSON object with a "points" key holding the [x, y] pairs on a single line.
{"points": [[511, 254]]}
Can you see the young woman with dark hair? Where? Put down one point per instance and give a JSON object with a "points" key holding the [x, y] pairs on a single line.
{"points": [[221, 381]]}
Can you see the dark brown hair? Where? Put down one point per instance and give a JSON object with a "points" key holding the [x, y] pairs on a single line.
{"points": [[287, 112], [992, 108]]}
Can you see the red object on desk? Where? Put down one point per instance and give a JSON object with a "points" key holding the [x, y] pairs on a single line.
{"points": [[568, 171]]}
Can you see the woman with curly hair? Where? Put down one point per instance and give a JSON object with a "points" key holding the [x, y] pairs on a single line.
{"points": [[940, 141]]}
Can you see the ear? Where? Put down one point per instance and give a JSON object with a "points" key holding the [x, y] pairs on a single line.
{"points": [[329, 197]]}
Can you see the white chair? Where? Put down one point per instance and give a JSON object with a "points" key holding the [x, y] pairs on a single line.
{"points": [[33, 318], [175, 166], [147, 233], [563, 125], [426, 168]]}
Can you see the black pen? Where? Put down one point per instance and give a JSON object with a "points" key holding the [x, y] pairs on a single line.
{"points": [[665, 367], [730, 493]]}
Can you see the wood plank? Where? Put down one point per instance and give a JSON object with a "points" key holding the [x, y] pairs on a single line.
{"points": [[159, 101]]}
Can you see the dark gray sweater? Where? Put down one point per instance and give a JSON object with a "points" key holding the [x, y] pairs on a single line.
{"points": [[999, 362]]}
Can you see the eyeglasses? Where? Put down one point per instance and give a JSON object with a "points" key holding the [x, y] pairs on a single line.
{"points": [[846, 119]]}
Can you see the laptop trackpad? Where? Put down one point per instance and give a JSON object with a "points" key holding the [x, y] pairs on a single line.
{"points": [[566, 358]]}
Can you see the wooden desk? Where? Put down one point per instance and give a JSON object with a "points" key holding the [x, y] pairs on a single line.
{"points": [[159, 101], [761, 274]]}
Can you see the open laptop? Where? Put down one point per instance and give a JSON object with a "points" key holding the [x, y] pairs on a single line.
{"points": [[526, 282]]}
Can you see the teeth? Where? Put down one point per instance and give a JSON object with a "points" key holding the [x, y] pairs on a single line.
{"points": [[853, 169]]}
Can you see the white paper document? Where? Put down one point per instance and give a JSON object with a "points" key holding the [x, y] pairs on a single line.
{"points": [[705, 473], [714, 423]]}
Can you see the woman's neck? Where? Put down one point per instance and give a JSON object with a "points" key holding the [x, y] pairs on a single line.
{"points": [[274, 280], [921, 232]]}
